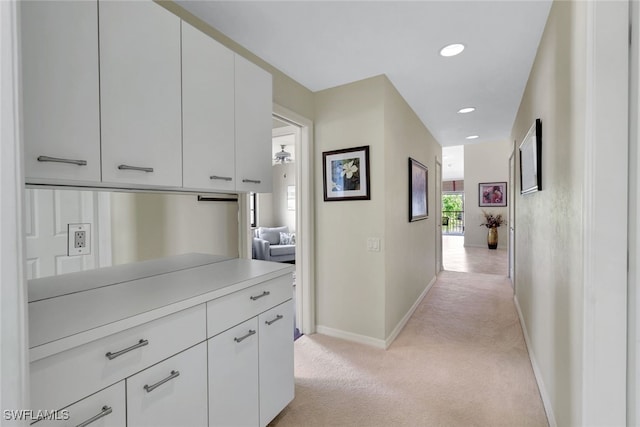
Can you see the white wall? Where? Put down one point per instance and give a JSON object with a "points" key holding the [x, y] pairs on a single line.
{"points": [[284, 175], [484, 162]]}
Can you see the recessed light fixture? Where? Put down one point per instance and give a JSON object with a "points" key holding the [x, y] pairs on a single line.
{"points": [[452, 49], [473, 137], [467, 110]]}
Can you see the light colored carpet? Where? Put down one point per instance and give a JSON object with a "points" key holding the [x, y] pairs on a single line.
{"points": [[460, 361]]}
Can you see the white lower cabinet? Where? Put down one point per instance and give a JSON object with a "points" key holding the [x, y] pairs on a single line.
{"points": [[276, 360], [251, 369], [233, 376], [105, 408], [171, 393]]}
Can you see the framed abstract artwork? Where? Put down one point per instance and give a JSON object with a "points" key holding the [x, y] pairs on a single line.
{"points": [[531, 160], [492, 194], [418, 193]]}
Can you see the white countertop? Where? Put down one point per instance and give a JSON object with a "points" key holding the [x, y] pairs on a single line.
{"points": [[107, 301]]}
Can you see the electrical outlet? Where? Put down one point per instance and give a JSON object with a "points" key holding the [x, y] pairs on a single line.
{"points": [[79, 242]]}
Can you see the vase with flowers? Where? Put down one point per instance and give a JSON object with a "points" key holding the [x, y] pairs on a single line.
{"points": [[492, 222]]}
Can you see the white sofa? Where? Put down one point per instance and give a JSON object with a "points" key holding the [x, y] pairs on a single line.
{"points": [[269, 244]]}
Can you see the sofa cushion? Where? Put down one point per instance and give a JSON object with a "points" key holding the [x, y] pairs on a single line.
{"points": [[287, 238], [272, 235], [280, 250]]}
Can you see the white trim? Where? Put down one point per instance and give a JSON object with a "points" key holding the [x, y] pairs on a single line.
{"points": [[245, 236], [544, 394], [14, 367], [396, 331], [305, 216], [604, 351], [350, 336]]}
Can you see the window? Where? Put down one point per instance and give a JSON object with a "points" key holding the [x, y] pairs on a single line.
{"points": [[253, 209]]}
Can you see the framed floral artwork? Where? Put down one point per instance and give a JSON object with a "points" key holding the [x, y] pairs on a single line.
{"points": [[492, 194], [418, 183], [346, 174]]}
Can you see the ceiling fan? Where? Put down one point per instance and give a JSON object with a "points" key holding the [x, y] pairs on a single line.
{"points": [[282, 156]]}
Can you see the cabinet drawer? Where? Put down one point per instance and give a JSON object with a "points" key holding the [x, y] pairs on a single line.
{"points": [[171, 393], [66, 377], [106, 408], [235, 308]]}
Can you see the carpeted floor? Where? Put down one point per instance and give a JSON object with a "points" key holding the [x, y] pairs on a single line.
{"points": [[460, 361]]}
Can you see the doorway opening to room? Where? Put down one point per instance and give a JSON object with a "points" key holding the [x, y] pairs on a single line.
{"points": [[289, 210]]}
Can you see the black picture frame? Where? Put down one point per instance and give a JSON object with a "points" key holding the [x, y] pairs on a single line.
{"points": [[418, 191], [492, 194], [531, 160], [346, 174]]}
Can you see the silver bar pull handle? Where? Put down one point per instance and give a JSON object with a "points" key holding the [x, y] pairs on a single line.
{"points": [[59, 160], [106, 410], [264, 294], [252, 181], [242, 338], [141, 343], [271, 322], [150, 388], [134, 168], [221, 178]]}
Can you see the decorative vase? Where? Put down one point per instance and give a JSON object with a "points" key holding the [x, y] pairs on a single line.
{"points": [[492, 238]]}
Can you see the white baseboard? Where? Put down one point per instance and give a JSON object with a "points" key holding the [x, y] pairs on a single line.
{"points": [[546, 399], [396, 331], [375, 342], [350, 336]]}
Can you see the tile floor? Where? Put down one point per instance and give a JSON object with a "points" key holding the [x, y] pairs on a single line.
{"points": [[456, 257]]}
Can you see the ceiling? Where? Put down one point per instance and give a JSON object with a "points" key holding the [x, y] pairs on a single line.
{"points": [[323, 44]]}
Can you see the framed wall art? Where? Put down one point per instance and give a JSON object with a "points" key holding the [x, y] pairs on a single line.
{"points": [[418, 193], [531, 160], [492, 194], [346, 174]]}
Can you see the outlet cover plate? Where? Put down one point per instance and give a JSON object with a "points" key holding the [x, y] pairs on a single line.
{"points": [[79, 239]]}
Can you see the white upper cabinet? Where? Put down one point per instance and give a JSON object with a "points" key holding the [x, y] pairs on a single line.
{"points": [[140, 94], [253, 107], [208, 112], [60, 91]]}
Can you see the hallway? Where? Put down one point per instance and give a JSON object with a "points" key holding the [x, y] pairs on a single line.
{"points": [[456, 257], [461, 360]]}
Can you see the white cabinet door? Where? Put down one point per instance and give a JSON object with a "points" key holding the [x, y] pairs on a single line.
{"points": [[103, 409], [276, 360], [60, 90], [253, 109], [207, 112], [140, 94], [233, 376], [171, 393]]}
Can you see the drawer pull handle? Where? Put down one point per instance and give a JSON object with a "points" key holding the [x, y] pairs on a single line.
{"points": [[222, 178], [59, 160], [106, 410], [271, 322], [251, 332], [264, 294], [135, 168], [252, 181], [141, 343], [150, 388]]}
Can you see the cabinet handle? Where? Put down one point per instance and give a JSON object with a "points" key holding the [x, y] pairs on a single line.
{"points": [[135, 168], [150, 388], [222, 178], [106, 410], [252, 181], [59, 160], [112, 356], [264, 294], [251, 332], [271, 322]]}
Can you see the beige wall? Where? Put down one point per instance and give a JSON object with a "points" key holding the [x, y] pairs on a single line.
{"points": [[484, 162], [147, 226], [284, 175], [361, 292], [409, 246], [549, 266]]}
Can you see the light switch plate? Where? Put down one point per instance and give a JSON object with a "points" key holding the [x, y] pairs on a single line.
{"points": [[373, 244], [79, 239]]}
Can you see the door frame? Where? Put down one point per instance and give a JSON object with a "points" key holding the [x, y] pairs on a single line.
{"points": [[439, 257], [512, 217]]}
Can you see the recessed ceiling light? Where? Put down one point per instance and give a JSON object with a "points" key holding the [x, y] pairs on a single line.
{"points": [[466, 110], [452, 49], [473, 137]]}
